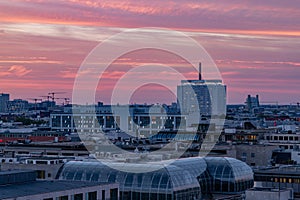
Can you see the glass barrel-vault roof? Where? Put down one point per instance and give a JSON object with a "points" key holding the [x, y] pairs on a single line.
{"points": [[229, 174], [203, 175], [167, 179]]}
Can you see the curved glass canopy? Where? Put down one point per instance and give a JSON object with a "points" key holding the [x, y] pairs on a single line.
{"points": [[186, 178], [229, 175]]}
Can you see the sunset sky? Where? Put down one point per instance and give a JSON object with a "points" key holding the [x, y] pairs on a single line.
{"points": [[255, 44]]}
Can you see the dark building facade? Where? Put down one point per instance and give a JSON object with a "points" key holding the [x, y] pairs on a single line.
{"points": [[4, 99]]}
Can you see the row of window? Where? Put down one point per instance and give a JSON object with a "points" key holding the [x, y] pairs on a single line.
{"points": [[283, 138], [277, 179], [187, 194], [109, 121], [52, 154], [88, 196], [3, 135]]}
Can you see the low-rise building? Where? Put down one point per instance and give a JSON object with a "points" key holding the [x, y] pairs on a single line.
{"points": [[269, 193], [21, 185], [45, 167], [254, 155], [287, 176]]}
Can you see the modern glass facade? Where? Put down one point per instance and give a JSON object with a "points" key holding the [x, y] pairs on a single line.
{"points": [[188, 178]]}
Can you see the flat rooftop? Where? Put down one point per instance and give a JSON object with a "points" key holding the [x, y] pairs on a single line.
{"points": [[11, 177], [15, 171], [287, 170], [42, 187], [269, 189]]}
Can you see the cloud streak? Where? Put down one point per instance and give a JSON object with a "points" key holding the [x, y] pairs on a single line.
{"points": [[255, 44], [206, 15], [14, 71]]}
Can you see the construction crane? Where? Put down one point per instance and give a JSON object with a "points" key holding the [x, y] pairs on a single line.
{"points": [[48, 97], [270, 102], [35, 101], [66, 100], [53, 94]]}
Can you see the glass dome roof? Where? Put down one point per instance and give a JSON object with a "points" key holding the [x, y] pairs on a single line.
{"points": [[186, 178], [229, 174], [167, 179]]}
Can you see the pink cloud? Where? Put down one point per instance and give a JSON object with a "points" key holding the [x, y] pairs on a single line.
{"points": [[210, 14], [19, 70], [14, 71], [239, 37]]}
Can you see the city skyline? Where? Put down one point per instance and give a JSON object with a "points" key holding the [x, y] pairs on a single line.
{"points": [[254, 44], [142, 100]]}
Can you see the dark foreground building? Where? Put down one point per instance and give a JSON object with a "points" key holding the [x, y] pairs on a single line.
{"points": [[188, 178]]}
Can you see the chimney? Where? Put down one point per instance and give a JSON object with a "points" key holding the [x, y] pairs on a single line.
{"points": [[200, 75]]}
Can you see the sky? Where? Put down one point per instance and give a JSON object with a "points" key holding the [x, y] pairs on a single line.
{"points": [[255, 44]]}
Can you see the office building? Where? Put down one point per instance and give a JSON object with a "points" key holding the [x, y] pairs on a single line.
{"points": [[4, 99], [288, 141], [207, 97], [22, 185], [252, 102], [18, 106], [285, 176], [145, 119]]}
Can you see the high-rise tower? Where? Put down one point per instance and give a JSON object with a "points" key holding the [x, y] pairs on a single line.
{"points": [[205, 96], [4, 99]]}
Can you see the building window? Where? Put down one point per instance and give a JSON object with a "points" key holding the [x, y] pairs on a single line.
{"points": [[41, 162], [40, 174], [92, 196], [252, 155], [114, 194], [63, 198], [78, 196], [103, 194]]}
